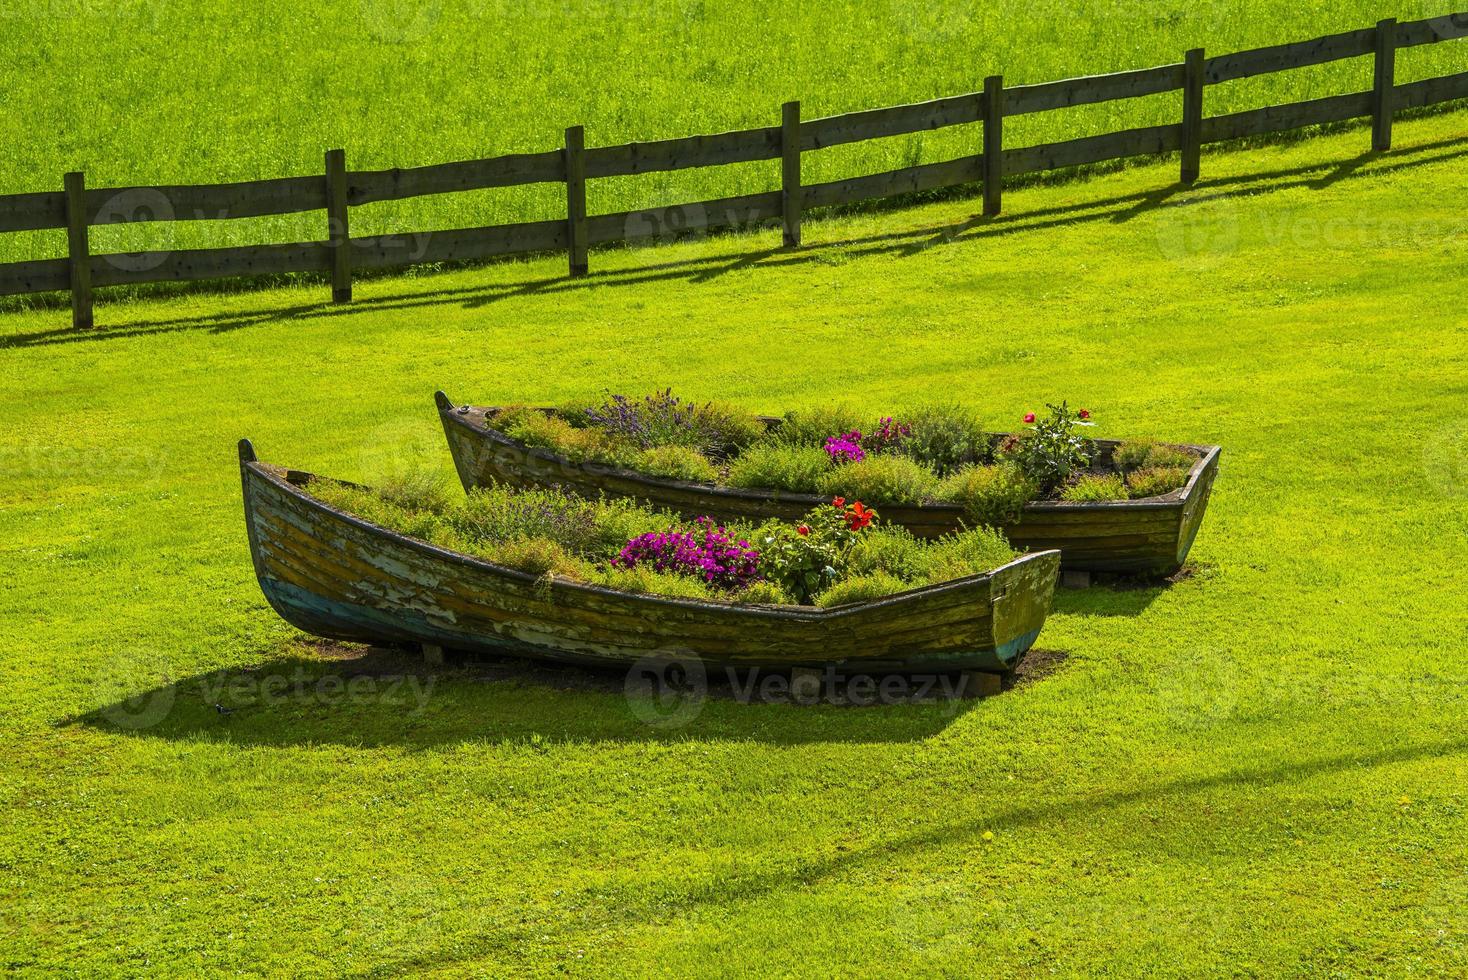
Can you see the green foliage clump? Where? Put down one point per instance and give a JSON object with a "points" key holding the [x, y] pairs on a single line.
{"points": [[880, 480], [540, 556], [1050, 452], [764, 594], [548, 431], [1138, 454], [1096, 486], [1154, 481], [813, 426], [889, 548], [861, 588], [676, 462], [644, 580], [780, 466], [725, 430], [945, 438], [993, 494], [971, 552]]}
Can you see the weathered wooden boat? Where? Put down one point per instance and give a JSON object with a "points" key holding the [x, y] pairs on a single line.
{"points": [[335, 575], [1147, 536]]}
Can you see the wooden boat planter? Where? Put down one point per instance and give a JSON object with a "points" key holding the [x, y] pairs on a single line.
{"points": [[335, 575], [1146, 536]]}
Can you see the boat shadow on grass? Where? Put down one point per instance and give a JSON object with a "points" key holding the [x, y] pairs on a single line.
{"points": [[318, 692], [1127, 595]]}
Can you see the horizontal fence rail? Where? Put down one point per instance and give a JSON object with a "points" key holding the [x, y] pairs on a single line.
{"points": [[77, 208]]}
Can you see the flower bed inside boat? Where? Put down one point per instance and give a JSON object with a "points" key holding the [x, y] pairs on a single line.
{"points": [[839, 553], [930, 455]]}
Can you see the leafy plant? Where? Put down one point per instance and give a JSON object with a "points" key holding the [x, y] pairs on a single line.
{"points": [[970, 552], [881, 480], [812, 426], [780, 466], [676, 462], [1154, 481], [544, 431], [1095, 486], [945, 438], [861, 588], [725, 430], [1138, 454], [994, 494], [806, 558], [540, 556], [1052, 449], [659, 419], [889, 548], [764, 593]]}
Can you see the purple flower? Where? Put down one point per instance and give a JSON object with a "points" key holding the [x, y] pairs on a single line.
{"points": [[845, 448], [707, 553]]}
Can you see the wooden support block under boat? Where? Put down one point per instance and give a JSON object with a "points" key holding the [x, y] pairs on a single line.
{"points": [[335, 575], [1149, 536]]}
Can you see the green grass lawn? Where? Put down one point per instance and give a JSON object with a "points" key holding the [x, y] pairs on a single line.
{"points": [[136, 92], [1258, 770]]}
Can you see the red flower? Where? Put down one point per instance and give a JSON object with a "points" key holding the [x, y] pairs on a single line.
{"points": [[859, 516], [1029, 417], [803, 530], [839, 502], [1085, 413]]}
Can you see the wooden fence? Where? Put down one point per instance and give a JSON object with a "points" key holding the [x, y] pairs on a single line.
{"points": [[77, 207]]}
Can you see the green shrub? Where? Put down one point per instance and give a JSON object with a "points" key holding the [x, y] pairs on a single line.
{"points": [[496, 514], [416, 490], [813, 426], [370, 506], [1053, 449], [879, 480], [1132, 454], [726, 430], [971, 552], [994, 494], [540, 556], [766, 594], [552, 432], [779, 466], [1140, 454], [945, 438], [1169, 457], [642, 579], [891, 549], [1093, 486], [1154, 481], [861, 588], [678, 463]]}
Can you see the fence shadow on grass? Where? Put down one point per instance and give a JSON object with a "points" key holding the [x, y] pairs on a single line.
{"points": [[321, 692], [702, 270]]}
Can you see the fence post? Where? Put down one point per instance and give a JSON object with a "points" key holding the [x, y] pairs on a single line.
{"points": [[338, 236], [1192, 133], [78, 249], [993, 143], [576, 199], [1384, 85], [790, 171]]}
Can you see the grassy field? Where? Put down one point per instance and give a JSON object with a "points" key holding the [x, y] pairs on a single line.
{"points": [[1258, 770], [151, 91]]}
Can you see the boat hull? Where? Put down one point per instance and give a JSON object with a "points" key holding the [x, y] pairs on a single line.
{"points": [[334, 575], [1151, 536]]}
